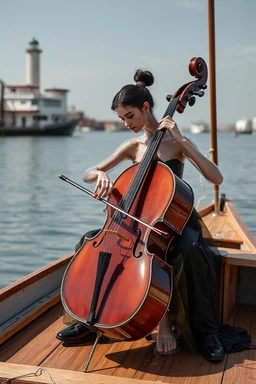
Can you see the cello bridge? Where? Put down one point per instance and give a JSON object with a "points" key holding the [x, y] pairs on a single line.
{"points": [[116, 234]]}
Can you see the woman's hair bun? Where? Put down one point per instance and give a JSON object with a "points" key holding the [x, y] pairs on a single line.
{"points": [[144, 76]]}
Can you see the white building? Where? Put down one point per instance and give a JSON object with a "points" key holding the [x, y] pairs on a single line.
{"points": [[199, 127], [25, 105], [244, 125], [254, 125]]}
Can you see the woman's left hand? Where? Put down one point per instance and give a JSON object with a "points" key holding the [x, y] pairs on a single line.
{"points": [[169, 124]]}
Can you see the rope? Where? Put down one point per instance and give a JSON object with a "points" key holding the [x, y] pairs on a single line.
{"points": [[38, 372], [202, 181]]}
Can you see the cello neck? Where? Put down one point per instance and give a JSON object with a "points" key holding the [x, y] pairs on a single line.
{"points": [[147, 160], [178, 102]]}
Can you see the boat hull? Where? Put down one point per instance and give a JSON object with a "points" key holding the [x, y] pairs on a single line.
{"points": [[65, 128]]}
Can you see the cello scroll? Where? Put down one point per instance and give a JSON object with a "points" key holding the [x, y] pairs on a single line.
{"points": [[187, 92]]}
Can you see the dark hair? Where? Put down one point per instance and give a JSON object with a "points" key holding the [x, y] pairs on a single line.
{"points": [[135, 95]]}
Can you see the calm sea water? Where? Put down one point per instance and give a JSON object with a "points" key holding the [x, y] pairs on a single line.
{"points": [[42, 217]]}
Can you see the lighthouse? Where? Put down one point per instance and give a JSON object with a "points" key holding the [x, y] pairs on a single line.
{"points": [[26, 107], [33, 64]]}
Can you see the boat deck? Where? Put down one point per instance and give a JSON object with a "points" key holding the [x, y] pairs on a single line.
{"points": [[36, 345]]}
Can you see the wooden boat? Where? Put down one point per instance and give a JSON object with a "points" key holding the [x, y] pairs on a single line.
{"points": [[32, 314]]}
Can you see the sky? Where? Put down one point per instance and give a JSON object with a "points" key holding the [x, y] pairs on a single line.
{"points": [[93, 48]]}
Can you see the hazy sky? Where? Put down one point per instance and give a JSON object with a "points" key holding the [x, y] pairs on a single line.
{"points": [[93, 48]]}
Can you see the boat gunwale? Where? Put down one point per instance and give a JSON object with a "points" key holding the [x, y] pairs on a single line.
{"points": [[233, 214], [248, 236], [33, 277]]}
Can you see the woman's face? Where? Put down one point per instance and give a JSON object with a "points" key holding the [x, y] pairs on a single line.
{"points": [[133, 117]]}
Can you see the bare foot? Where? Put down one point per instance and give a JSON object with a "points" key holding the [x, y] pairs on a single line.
{"points": [[166, 343]]}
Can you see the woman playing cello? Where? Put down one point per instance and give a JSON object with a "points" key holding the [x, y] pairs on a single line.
{"points": [[195, 302]]}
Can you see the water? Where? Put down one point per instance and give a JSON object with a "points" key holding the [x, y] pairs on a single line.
{"points": [[42, 217]]}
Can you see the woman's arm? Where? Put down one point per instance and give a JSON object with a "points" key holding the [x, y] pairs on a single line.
{"points": [[98, 173], [209, 170]]}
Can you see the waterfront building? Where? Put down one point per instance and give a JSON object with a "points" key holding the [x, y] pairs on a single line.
{"points": [[244, 125], [25, 105]]}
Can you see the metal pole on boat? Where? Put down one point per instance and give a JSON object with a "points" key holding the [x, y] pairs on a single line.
{"points": [[213, 114]]}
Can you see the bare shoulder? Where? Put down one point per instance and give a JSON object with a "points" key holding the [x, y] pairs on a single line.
{"points": [[128, 148]]}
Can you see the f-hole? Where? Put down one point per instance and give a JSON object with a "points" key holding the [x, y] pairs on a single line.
{"points": [[138, 232]]}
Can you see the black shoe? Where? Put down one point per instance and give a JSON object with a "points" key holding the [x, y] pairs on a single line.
{"points": [[76, 334], [211, 348]]}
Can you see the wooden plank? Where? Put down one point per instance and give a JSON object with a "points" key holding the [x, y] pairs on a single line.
{"points": [[228, 243], [222, 228], [214, 222], [182, 368], [136, 360], [240, 367], [119, 356], [74, 358], [206, 209], [46, 349], [232, 252], [248, 238], [19, 340], [230, 277], [229, 225], [120, 360], [8, 371], [240, 259], [40, 347], [221, 294], [21, 323], [139, 352], [123, 359]]}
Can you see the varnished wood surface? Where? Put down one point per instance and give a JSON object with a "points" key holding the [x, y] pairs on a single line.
{"points": [[8, 371], [129, 359], [241, 367], [30, 332], [36, 344], [239, 250], [222, 227], [228, 226], [18, 325], [240, 257]]}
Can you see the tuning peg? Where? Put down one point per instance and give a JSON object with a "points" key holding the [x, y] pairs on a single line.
{"points": [[192, 101], [199, 93], [168, 97]]}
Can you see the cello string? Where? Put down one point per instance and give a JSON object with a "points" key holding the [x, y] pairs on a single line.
{"points": [[137, 179], [147, 158], [127, 198]]}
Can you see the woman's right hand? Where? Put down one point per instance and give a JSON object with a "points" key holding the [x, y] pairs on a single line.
{"points": [[103, 186]]}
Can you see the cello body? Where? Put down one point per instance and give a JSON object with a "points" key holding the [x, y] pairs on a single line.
{"points": [[136, 286]]}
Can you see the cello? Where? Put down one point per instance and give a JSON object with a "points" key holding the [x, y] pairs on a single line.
{"points": [[118, 282]]}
